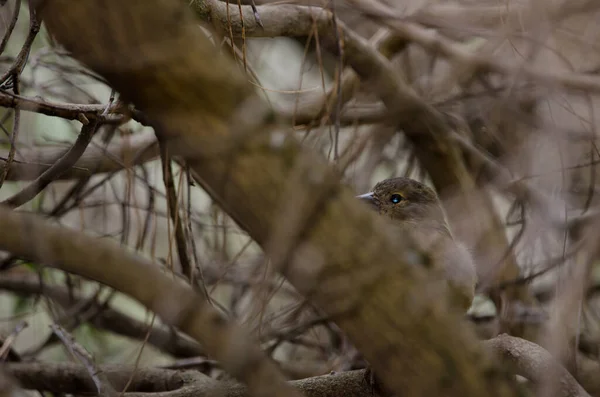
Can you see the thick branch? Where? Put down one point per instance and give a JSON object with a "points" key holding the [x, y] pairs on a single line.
{"points": [[535, 363], [74, 379], [528, 359], [173, 301]]}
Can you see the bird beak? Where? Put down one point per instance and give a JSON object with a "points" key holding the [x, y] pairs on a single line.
{"points": [[368, 198]]}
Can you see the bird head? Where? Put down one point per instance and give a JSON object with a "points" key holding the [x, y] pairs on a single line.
{"points": [[415, 208], [404, 199]]}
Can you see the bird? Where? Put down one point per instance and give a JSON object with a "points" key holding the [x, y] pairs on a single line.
{"points": [[415, 210]]}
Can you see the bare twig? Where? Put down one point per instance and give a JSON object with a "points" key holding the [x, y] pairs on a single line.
{"points": [[103, 386], [11, 26], [8, 341], [108, 318], [17, 67], [181, 239], [62, 165]]}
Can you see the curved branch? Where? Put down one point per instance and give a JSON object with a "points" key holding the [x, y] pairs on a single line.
{"points": [[119, 154], [535, 363], [108, 319], [291, 20], [61, 165], [530, 361], [74, 379], [175, 302]]}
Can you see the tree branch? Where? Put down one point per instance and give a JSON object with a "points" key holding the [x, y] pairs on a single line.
{"points": [[71, 378], [109, 319], [120, 153], [535, 363]]}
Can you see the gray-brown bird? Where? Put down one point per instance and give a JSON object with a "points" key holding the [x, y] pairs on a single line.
{"points": [[415, 209]]}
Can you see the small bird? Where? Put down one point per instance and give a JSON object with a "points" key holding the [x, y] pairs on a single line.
{"points": [[415, 209]]}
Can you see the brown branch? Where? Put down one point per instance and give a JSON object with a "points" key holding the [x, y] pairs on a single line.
{"points": [[103, 386], [426, 127], [74, 379], [70, 111], [6, 350], [8, 385], [109, 319], [176, 303], [67, 111], [471, 19], [292, 20], [527, 359], [19, 64], [14, 134], [535, 363], [121, 153], [11, 26], [181, 240], [55, 170]]}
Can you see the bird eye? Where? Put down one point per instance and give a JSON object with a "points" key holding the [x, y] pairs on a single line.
{"points": [[396, 198]]}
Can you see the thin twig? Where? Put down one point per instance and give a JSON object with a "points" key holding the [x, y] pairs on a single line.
{"points": [[172, 202], [11, 26], [101, 381], [62, 165]]}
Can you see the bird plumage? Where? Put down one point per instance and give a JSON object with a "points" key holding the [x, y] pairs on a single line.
{"points": [[414, 209]]}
